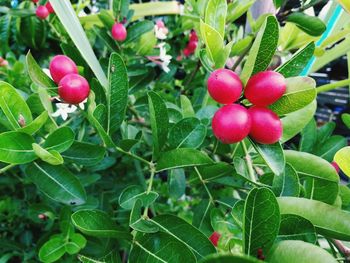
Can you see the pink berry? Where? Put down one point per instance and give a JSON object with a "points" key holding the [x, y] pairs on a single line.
{"points": [[231, 123], [73, 89], [214, 238], [119, 32], [61, 66], [224, 86], [187, 52], [42, 12], [160, 24], [49, 8], [266, 126], [192, 45], [265, 88]]}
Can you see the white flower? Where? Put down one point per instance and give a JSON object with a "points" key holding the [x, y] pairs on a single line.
{"points": [[160, 30], [165, 59], [63, 109], [81, 104], [47, 72]]}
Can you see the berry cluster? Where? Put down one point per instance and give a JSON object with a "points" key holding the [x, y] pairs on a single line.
{"points": [[43, 11], [72, 87], [233, 122], [192, 44], [119, 32]]}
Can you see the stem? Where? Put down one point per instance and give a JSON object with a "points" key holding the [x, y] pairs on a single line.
{"points": [[343, 250], [333, 85], [199, 64], [249, 163], [150, 184], [2, 170], [204, 184], [134, 156]]}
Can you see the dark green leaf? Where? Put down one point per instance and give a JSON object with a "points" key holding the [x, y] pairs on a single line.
{"points": [[132, 193], [82, 153], [36, 124], [294, 227], [222, 258], [287, 184], [330, 147], [176, 183], [201, 216], [60, 140], [308, 137], [138, 223], [138, 29], [311, 25]]}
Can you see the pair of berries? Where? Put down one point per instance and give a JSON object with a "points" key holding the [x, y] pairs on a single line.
{"points": [[72, 87], [119, 32], [233, 122], [192, 44], [43, 11]]}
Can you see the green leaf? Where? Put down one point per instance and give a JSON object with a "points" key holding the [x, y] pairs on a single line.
{"points": [[222, 258], [238, 213], [261, 221], [294, 227], [311, 25], [37, 75], [186, 234], [330, 147], [117, 95], [342, 158], [325, 131], [16, 148], [138, 29], [273, 156], [263, 49], [60, 140], [85, 259], [52, 157], [287, 184], [237, 8], [160, 247], [300, 92], [182, 157], [346, 119], [120, 8], [75, 243], [52, 250], [132, 193], [14, 106], [159, 121], [187, 133], [56, 182], [108, 41], [294, 251], [201, 216], [82, 153], [320, 172], [138, 223], [98, 224], [106, 18], [176, 183], [328, 220], [308, 137], [297, 63], [186, 106], [294, 122], [215, 15], [36, 124]]}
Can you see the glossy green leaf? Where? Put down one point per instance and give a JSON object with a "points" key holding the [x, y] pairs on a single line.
{"points": [[327, 219], [287, 184], [294, 66], [273, 156], [56, 182], [14, 106], [36, 124], [294, 227], [52, 157], [159, 121], [311, 25], [263, 49], [60, 140], [182, 157], [330, 147], [117, 95], [187, 234], [52, 250], [325, 131], [82, 153], [238, 8], [212, 172], [186, 106], [85, 259], [342, 158], [98, 224], [120, 8], [176, 183], [138, 223], [229, 258], [238, 213], [160, 247], [346, 119], [320, 172], [132, 193], [308, 137], [261, 221], [300, 92], [138, 29], [16, 148], [215, 15], [201, 216], [187, 133]]}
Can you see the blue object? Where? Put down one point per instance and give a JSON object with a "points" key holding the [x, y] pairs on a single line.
{"points": [[330, 26], [14, 3]]}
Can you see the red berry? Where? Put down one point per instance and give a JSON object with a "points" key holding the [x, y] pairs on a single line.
{"points": [[231, 123], [73, 89], [119, 32], [187, 52], [265, 88], [42, 12], [214, 238], [49, 8], [61, 66], [35, 1], [224, 86], [266, 126], [192, 45], [193, 36]]}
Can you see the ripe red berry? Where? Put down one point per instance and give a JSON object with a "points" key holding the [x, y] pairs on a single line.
{"points": [[73, 89], [193, 36], [192, 45], [214, 238], [42, 12], [231, 123], [49, 8], [119, 32], [187, 52], [61, 66], [266, 126], [265, 88], [224, 86], [35, 1]]}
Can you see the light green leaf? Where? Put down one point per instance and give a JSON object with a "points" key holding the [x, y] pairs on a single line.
{"points": [[52, 250], [215, 15], [222, 258], [52, 157], [138, 29], [237, 8], [36, 124], [329, 148], [176, 183], [186, 106], [342, 158], [346, 119], [132, 193]]}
